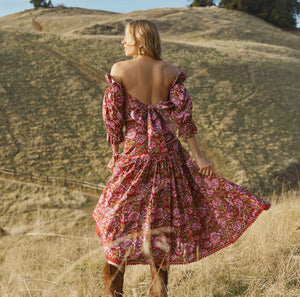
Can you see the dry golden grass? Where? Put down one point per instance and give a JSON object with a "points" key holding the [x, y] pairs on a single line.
{"points": [[244, 76], [244, 81], [51, 249]]}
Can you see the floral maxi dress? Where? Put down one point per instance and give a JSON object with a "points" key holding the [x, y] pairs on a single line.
{"points": [[157, 207]]}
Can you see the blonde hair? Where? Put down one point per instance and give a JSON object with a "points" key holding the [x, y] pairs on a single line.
{"points": [[146, 33]]}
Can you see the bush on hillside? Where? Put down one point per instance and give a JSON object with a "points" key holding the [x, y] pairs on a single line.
{"points": [[202, 3], [41, 3], [281, 13]]}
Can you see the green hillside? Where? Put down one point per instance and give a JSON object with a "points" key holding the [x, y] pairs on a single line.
{"points": [[243, 77]]}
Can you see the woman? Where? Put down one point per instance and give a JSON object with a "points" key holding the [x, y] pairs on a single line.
{"points": [[160, 207]]}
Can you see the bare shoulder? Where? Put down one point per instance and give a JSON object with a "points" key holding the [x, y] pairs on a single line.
{"points": [[170, 71], [118, 70]]}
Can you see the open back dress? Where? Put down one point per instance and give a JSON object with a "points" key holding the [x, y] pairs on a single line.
{"points": [[157, 207]]}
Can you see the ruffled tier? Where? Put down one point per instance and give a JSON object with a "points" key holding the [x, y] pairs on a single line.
{"points": [[159, 208]]}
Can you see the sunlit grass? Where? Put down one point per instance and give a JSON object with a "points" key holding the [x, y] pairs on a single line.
{"points": [[51, 114], [57, 252], [244, 82]]}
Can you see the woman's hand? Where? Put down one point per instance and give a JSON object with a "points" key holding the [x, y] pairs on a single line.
{"points": [[111, 164], [205, 167], [112, 161]]}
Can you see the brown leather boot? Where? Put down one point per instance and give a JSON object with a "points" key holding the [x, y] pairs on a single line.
{"points": [[159, 281], [113, 281]]}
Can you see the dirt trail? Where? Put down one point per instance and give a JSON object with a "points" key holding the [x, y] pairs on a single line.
{"points": [[246, 48], [87, 72], [32, 184]]}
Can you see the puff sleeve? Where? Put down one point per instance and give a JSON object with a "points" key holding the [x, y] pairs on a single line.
{"points": [[181, 112], [112, 109]]}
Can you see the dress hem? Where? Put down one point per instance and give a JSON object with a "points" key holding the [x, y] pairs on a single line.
{"points": [[265, 207]]}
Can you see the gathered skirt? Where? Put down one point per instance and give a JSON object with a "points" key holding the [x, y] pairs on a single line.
{"points": [[160, 209]]}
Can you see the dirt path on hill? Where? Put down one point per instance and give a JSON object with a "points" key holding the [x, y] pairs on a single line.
{"points": [[246, 49], [31, 184], [87, 72]]}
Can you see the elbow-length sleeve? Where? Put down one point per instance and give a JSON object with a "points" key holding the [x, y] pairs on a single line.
{"points": [[112, 109], [181, 112]]}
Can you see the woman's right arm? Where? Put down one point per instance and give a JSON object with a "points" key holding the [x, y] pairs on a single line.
{"points": [[205, 167], [113, 112]]}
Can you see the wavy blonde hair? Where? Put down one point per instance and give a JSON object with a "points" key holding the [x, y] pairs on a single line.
{"points": [[146, 34]]}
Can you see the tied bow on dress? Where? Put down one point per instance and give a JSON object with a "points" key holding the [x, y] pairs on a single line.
{"points": [[155, 116]]}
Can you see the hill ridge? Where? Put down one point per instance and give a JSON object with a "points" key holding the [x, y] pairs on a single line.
{"points": [[245, 91]]}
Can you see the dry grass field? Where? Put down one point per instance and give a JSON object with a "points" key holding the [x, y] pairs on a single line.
{"points": [[243, 77], [244, 81], [50, 249]]}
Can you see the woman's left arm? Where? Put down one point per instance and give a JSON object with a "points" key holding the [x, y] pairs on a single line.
{"points": [[205, 167]]}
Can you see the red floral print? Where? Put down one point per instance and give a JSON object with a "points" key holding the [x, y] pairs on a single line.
{"points": [[157, 206]]}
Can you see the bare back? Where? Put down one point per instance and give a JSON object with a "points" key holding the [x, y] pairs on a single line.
{"points": [[147, 79]]}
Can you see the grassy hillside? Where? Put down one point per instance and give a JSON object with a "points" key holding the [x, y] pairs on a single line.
{"points": [[244, 81], [243, 77], [49, 248]]}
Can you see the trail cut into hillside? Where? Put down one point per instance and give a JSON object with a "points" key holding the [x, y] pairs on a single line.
{"points": [[243, 78]]}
